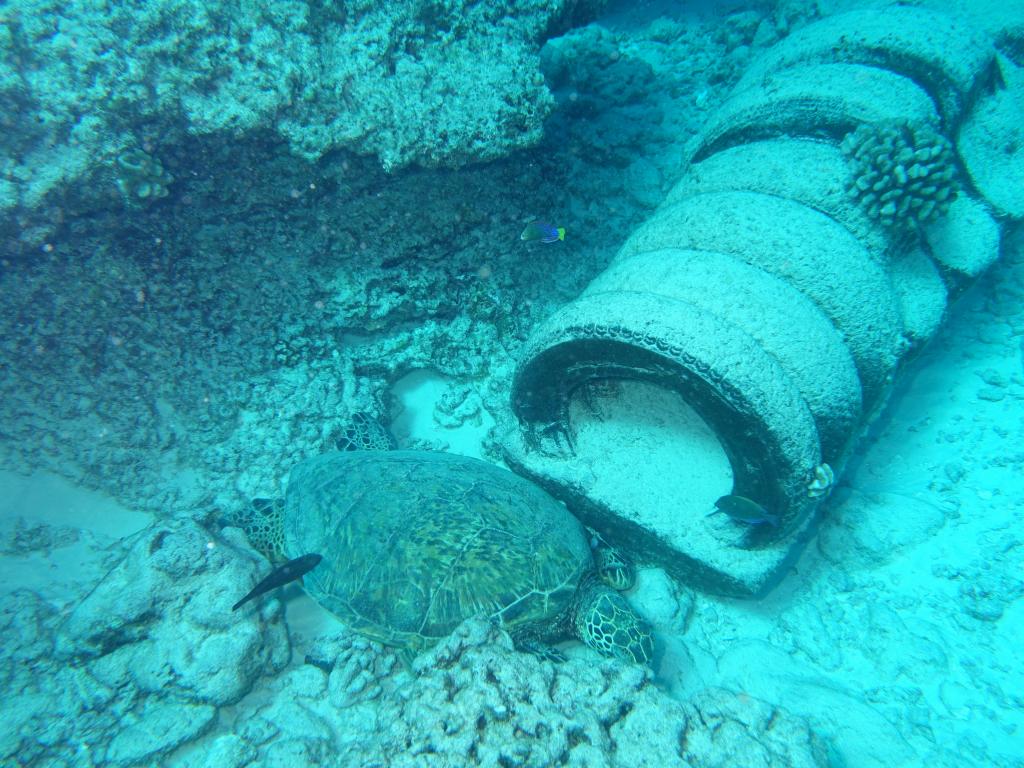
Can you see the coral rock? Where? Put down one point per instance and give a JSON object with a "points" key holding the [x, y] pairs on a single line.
{"points": [[163, 615]]}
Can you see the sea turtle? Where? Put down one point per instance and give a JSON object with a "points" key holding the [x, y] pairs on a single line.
{"points": [[415, 542]]}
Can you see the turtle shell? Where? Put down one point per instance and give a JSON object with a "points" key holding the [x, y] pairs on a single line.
{"points": [[415, 542]]}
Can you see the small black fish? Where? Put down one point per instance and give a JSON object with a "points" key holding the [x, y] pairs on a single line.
{"points": [[744, 510], [283, 574]]}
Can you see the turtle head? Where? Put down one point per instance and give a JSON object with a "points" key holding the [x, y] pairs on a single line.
{"points": [[604, 621], [263, 523], [612, 568]]}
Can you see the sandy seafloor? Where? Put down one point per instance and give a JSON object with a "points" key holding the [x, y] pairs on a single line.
{"points": [[896, 636]]}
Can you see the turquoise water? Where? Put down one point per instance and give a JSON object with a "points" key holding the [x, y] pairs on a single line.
{"points": [[645, 255]]}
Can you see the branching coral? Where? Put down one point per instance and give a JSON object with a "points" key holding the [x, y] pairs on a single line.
{"points": [[141, 177], [903, 175]]}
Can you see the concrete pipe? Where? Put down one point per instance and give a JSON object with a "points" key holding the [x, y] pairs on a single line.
{"points": [[745, 334]]}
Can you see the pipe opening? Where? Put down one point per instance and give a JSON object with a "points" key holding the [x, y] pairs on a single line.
{"points": [[648, 455]]}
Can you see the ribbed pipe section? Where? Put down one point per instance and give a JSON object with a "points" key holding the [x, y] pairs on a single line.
{"points": [[762, 295]]}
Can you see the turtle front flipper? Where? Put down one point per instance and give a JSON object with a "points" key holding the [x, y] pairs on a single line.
{"points": [[604, 621], [529, 642]]}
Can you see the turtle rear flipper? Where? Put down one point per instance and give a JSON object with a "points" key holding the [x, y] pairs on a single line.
{"points": [[542, 651], [528, 641]]}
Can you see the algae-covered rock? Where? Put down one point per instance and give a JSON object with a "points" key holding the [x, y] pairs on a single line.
{"points": [[733, 724], [415, 81], [160, 725], [143, 663], [473, 700], [160, 620]]}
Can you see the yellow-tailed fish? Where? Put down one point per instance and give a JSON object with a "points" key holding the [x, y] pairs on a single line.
{"points": [[542, 232]]}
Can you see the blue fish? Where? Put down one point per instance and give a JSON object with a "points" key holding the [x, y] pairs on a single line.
{"points": [[744, 510], [542, 232]]}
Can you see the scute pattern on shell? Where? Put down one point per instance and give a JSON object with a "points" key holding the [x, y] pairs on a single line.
{"points": [[414, 543]]}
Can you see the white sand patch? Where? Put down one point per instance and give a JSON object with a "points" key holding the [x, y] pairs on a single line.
{"points": [[435, 410], [54, 534], [307, 620], [667, 463]]}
